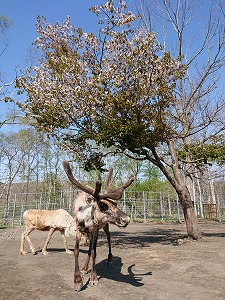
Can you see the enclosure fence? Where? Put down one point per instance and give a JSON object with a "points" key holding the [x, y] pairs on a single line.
{"points": [[140, 206]]}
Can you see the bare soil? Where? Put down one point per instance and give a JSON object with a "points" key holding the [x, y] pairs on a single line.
{"points": [[151, 261]]}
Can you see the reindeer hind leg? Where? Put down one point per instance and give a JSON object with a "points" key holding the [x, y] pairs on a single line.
{"points": [[25, 235], [65, 241], [22, 251]]}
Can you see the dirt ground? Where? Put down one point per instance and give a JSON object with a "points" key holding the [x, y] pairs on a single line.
{"points": [[151, 261]]}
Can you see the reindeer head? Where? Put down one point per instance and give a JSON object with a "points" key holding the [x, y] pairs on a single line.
{"points": [[99, 208]]}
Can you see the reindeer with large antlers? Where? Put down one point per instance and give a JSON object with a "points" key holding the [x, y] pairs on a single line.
{"points": [[94, 211]]}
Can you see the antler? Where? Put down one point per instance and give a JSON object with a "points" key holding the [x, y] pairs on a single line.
{"points": [[108, 179], [117, 193], [112, 194], [80, 186], [98, 186]]}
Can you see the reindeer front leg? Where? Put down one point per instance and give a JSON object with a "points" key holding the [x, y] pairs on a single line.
{"points": [[107, 232], [93, 277], [62, 232], [78, 281]]}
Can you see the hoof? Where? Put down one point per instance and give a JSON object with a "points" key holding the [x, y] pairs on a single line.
{"points": [[78, 282], [109, 263], [93, 282], [110, 259], [78, 286], [44, 252], [22, 252], [69, 252], [34, 252]]}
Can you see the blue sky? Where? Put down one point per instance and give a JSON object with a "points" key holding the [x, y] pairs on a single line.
{"points": [[22, 32]]}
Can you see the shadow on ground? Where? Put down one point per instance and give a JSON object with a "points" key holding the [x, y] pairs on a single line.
{"points": [[145, 239], [114, 272]]}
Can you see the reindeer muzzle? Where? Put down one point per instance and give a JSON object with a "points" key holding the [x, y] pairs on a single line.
{"points": [[124, 221]]}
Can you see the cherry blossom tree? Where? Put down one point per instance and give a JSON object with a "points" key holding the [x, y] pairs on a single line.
{"points": [[117, 88]]}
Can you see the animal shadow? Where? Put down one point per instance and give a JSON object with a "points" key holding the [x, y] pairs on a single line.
{"points": [[113, 271]]}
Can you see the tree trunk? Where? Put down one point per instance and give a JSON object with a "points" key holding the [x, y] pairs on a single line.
{"points": [[178, 183], [193, 230]]}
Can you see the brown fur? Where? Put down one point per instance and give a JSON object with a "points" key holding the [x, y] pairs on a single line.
{"points": [[94, 211]]}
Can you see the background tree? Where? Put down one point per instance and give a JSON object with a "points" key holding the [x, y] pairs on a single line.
{"points": [[6, 87], [12, 159], [123, 90], [198, 39]]}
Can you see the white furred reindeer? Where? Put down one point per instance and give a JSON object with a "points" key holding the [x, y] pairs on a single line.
{"points": [[94, 211], [48, 220]]}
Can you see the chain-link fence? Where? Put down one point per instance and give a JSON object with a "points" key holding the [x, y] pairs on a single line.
{"points": [[145, 206], [140, 206]]}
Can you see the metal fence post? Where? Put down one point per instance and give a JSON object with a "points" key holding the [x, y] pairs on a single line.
{"points": [[161, 207], [178, 210], [145, 210], [218, 208], [14, 210], [124, 202]]}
